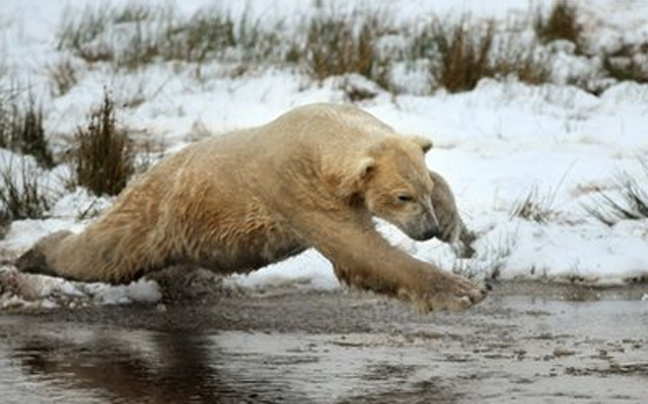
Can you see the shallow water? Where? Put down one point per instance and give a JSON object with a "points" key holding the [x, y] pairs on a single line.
{"points": [[511, 348]]}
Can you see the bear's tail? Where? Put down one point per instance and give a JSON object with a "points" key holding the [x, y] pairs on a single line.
{"points": [[37, 259]]}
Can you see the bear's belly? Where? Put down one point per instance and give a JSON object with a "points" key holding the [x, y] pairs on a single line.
{"points": [[246, 254], [248, 261]]}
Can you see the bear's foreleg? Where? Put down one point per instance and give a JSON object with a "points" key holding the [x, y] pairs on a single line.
{"points": [[362, 258]]}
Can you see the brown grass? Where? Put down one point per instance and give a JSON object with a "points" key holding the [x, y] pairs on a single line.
{"points": [[21, 193], [334, 49], [462, 53], [457, 53], [561, 23], [22, 131], [628, 63], [30, 135], [104, 160]]}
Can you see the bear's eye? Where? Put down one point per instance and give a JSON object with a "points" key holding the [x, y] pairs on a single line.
{"points": [[405, 198]]}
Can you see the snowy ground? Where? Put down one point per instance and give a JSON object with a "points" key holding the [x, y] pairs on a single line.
{"points": [[495, 145]]}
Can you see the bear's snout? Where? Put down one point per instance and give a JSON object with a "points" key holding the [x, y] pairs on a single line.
{"points": [[430, 233], [426, 234], [426, 228]]}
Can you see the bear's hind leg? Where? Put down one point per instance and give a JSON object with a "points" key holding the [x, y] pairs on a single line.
{"points": [[37, 260]]}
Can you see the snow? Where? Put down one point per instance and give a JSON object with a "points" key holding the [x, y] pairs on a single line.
{"points": [[495, 145]]}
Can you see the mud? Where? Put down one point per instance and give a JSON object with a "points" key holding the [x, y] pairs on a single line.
{"points": [[528, 343]]}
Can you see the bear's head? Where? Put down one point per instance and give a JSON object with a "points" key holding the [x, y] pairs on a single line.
{"points": [[396, 185]]}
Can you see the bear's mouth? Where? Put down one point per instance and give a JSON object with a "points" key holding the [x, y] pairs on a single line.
{"points": [[427, 234]]}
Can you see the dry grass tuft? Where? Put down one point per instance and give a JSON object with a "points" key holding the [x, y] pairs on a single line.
{"points": [[22, 131], [21, 194], [561, 23], [628, 202], [63, 76], [337, 45], [534, 206], [628, 63], [104, 160], [462, 53]]}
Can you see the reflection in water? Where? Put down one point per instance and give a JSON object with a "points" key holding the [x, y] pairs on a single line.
{"points": [[123, 372], [79, 363], [133, 367]]}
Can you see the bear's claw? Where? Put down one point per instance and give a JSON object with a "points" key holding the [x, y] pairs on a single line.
{"points": [[447, 292]]}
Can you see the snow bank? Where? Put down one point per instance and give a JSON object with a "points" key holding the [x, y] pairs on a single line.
{"points": [[21, 291]]}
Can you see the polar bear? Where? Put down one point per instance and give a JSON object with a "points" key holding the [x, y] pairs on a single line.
{"points": [[313, 177]]}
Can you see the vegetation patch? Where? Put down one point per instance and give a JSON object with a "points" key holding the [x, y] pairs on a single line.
{"points": [[628, 63], [63, 76], [81, 32], [104, 159], [561, 23], [336, 46], [22, 195], [629, 201], [456, 52], [460, 54], [535, 206], [22, 131]]}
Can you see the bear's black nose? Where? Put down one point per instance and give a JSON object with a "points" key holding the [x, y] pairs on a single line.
{"points": [[431, 233], [427, 234]]}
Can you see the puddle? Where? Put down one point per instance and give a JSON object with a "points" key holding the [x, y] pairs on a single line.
{"points": [[511, 348]]}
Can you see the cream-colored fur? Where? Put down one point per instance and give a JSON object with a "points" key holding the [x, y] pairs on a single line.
{"points": [[314, 177]]}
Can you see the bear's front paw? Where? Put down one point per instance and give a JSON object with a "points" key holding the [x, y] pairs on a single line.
{"points": [[442, 291]]}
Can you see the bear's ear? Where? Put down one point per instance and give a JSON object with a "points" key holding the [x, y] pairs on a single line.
{"points": [[423, 142], [366, 166], [353, 182]]}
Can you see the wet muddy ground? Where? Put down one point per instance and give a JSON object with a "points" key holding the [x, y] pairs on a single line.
{"points": [[527, 343]]}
